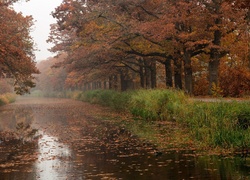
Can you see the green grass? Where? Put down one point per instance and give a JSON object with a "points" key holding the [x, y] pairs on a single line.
{"points": [[116, 100], [220, 123], [212, 125], [157, 104]]}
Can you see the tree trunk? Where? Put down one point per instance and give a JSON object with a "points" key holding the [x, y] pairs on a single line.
{"points": [[123, 82], [153, 74], [99, 85], [142, 78], [93, 85], [213, 69], [110, 82], [177, 73], [188, 73], [214, 62], [89, 86], [168, 71], [105, 84], [215, 52], [85, 86], [115, 78], [147, 73]]}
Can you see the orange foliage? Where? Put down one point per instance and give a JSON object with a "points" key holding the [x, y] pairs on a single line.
{"points": [[201, 85], [105, 38], [234, 81], [16, 49]]}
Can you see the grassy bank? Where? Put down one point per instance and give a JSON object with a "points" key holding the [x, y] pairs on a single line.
{"points": [[7, 98], [211, 125], [169, 118]]}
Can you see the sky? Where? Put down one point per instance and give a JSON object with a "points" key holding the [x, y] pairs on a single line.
{"points": [[41, 12]]}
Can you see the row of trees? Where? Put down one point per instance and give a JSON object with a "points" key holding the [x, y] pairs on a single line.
{"points": [[16, 49], [51, 79], [202, 46]]}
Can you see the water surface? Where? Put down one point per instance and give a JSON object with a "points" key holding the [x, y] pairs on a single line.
{"points": [[66, 141]]}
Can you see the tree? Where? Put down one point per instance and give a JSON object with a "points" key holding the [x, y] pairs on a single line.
{"points": [[124, 37], [16, 49], [222, 18], [8, 2], [51, 79]]}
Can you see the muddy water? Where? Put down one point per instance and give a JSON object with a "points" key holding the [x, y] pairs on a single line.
{"points": [[61, 139]]}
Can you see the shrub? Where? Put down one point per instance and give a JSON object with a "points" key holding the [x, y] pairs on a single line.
{"points": [[10, 97], [235, 82], [201, 85], [7, 98]]}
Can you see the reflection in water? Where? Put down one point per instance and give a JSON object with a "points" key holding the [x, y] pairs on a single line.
{"points": [[73, 146], [53, 159], [15, 124]]}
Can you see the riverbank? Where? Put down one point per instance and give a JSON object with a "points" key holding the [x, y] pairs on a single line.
{"points": [[172, 120]]}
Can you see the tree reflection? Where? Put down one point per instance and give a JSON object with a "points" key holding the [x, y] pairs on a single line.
{"points": [[17, 125]]}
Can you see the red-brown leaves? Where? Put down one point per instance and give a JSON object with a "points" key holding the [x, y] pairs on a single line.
{"points": [[104, 38], [16, 49], [234, 81]]}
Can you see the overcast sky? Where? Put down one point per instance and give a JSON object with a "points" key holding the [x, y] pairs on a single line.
{"points": [[41, 12]]}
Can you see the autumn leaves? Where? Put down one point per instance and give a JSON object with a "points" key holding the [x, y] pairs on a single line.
{"points": [[196, 41], [16, 49], [189, 45]]}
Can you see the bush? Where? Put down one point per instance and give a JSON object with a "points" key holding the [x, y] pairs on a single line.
{"points": [[10, 97], [3, 100], [7, 98], [234, 82]]}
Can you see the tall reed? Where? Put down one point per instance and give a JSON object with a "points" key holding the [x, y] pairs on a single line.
{"points": [[219, 123]]}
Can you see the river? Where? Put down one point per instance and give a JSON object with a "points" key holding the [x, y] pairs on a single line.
{"points": [[61, 139]]}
